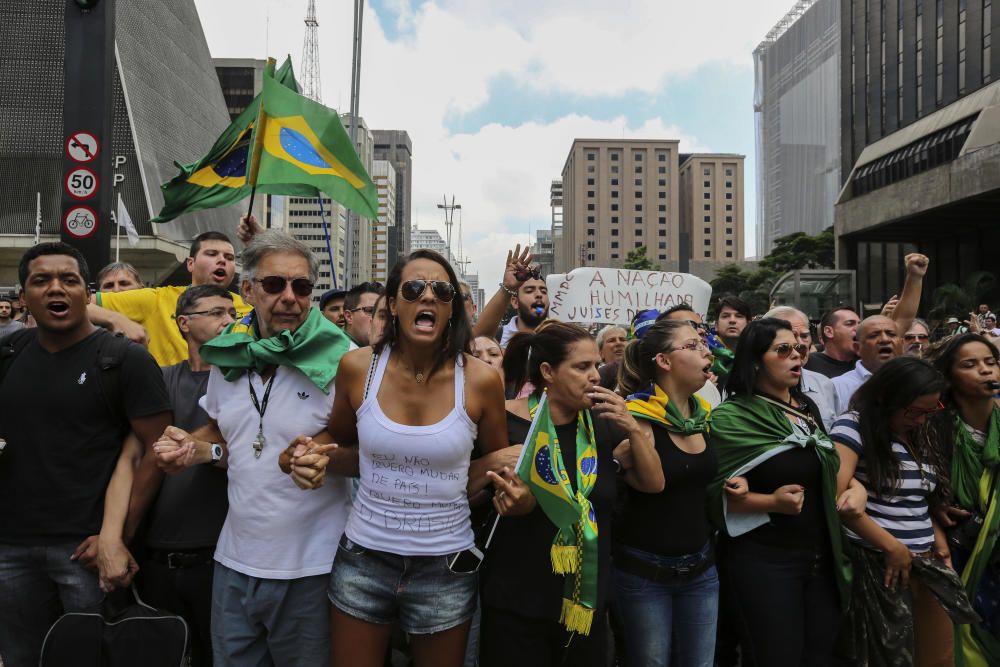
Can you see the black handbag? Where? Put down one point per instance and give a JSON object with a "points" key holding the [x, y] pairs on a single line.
{"points": [[122, 631]]}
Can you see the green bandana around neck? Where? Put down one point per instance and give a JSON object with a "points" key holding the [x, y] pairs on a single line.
{"points": [[653, 404], [314, 349], [574, 549], [748, 430]]}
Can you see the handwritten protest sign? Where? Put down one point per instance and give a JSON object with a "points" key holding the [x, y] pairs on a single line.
{"points": [[613, 296]]}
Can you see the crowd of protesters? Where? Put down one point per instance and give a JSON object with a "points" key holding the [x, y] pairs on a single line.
{"points": [[329, 484]]}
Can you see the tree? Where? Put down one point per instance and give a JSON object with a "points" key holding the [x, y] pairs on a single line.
{"points": [[637, 260], [801, 251], [951, 300]]}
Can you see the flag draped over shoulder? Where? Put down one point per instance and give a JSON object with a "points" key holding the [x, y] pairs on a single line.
{"points": [[304, 144], [221, 178]]}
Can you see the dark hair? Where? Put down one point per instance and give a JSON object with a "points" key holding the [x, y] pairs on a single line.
{"points": [[637, 369], [54, 248], [353, 296], [206, 236], [943, 355], [682, 306], [526, 352], [753, 344], [191, 295], [893, 387], [6, 299], [828, 319], [117, 266], [458, 335], [735, 303]]}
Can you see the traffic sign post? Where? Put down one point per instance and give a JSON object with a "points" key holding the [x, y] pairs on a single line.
{"points": [[88, 68]]}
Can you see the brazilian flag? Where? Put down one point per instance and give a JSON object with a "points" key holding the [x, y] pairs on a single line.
{"points": [[303, 144], [221, 177]]}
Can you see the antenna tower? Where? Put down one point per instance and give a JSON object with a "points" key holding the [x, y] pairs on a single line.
{"points": [[449, 220], [310, 56]]}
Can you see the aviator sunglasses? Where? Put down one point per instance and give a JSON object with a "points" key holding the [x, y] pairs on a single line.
{"points": [[785, 350], [412, 290], [276, 285]]}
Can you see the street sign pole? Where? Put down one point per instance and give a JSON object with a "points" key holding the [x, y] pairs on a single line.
{"points": [[88, 68]]}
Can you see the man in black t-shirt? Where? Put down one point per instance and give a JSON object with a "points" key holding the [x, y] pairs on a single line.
{"points": [[65, 476], [187, 515], [837, 331]]}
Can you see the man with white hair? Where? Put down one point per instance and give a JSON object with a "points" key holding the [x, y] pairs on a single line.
{"points": [[611, 341], [815, 385]]}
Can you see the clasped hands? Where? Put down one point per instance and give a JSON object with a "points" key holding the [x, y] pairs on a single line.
{"points": [[305, 461]]}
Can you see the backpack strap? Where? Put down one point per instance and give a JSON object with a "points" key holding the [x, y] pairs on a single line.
{"points": [[110, 357], [11, 345]]}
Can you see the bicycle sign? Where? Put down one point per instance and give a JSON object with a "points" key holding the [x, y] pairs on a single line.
{"points": [[80, 222]]}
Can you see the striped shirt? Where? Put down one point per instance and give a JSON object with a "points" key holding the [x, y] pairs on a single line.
{"points": [[904, 512]]}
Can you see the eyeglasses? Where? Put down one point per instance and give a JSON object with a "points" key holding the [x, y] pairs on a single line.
{"points": [[276, 285], [913, 337], [412, 290], [785, 350], [524, 274], [368, 310], [700, 326], [214, 312], [913, 413], [694, 346]]}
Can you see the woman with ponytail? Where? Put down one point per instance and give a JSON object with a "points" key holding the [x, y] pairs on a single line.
{"points": [[666, 585], [547, 578]]}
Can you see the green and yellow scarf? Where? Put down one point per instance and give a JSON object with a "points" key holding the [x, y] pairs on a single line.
{"points": [[315, 349], [574, 549], [653, 404]]}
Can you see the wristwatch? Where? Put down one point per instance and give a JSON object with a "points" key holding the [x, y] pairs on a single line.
{"points": [[216, 451]]}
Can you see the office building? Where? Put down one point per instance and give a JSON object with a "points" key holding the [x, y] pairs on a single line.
{"points": [[556, 205], [384, 177], [303, 219], [711, 209], [618, 195], [543, 252], [797, 118], [920, 137], [360, 256], [167, 107], [395, 147]]}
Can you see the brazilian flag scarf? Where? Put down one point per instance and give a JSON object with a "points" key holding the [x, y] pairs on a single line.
{"points": [[973, 469], [315, 349], [653, 404], [574, 549], [748, 430]]}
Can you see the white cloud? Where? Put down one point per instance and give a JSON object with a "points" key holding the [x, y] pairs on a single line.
{"points": [[449, 53]]}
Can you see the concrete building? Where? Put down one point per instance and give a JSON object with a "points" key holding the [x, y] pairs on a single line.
{"points": [[384, 177], [543, 252], [360, 257], [478, 293], [395, 147], [618, 195], [711, 209], [556, 204], [430, 239], [797, 118], [167, 107], [920, 133], [303, 220]]}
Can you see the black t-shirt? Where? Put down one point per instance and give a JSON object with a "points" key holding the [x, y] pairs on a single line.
{"points": [[673, 522], [806, 530], [517, 573], [192, 504], [828, 366], [62, 439]]}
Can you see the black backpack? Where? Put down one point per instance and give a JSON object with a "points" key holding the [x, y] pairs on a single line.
{"points": [[122, 631], [110, 356]]}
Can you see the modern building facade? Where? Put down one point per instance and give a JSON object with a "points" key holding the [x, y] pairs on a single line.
{"points": [[543, 252], [920, 133], [167, 107], [303, 219], [395, 147], [618, 195], [384, 177], [797, 122], [360, 256], [556, 204], [711, 208]]}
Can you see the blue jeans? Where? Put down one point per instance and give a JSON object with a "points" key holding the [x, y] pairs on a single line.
{"points": [[265, 622], [654, 615], [37, 585]]}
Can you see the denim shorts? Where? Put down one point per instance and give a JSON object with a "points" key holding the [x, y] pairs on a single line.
{"points": [[421, 593]]}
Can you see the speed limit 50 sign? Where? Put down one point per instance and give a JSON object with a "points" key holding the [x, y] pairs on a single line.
{"points": [[81, 183]]}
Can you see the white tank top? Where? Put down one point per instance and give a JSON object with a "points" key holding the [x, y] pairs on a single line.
{"points": [[412, 497]]}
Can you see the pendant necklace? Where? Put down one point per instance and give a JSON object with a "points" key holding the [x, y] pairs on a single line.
{"points": [[261, 406]]}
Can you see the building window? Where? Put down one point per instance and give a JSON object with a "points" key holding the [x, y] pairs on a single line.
{"points": [[729, 218], [638, 244], [706, 195], [614, 232], [729, 207], [590, 232], [614, 255], [707, 184], [707, 171], [920, 57], [590, 169], [637, 157], [662, 208], [708, 241], [638, 194], [987, 40], [662, 245], [614, 169], [729, 242], [729, 184], [614, 244], [638, 182], [638, 169], [708, 207], [590, 193], [662, 221], [729, 253], [614, 181], [662, 256], [661, 170], [614, 194], [614, 157], [661, 232], [614, 220], [591, 219], [591, 207], [614, 207], [638, 231], [638, 219], [591, 157], [729, 230], [729, 195], [729, 171], [662, 182], [590, 244], [708, 218], [939, 51], [661, 157], [661, 195], [708, 230], [590, 181], [708, 253], [638, 207], [590, 257], [961, 47]]}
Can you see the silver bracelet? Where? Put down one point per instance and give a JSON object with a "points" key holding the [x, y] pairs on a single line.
{"points": [[513, 293]]}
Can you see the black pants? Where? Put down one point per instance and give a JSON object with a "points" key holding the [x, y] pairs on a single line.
{"points": [[507, 638], [788, 604], [186, 592]]}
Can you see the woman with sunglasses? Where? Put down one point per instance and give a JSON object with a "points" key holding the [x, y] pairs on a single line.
{"points": [[666, 585], [416, 403], [533, 617], [775, 497], [970, 432], [882, 442]]}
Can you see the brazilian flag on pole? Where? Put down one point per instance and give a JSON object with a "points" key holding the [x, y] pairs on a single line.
{"points": [[221, 177]]}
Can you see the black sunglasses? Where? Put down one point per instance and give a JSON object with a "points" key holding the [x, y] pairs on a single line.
{"points": [[276, 285], [785, 350], [412, 290]]}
